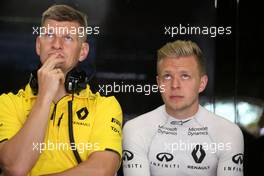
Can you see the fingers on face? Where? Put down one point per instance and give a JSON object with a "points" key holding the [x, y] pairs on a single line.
{"points": [[52, 62], [60, 74], [55, 73]]}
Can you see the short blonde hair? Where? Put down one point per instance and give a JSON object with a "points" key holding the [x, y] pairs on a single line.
{"points": [[65, 13], [182, 48]]}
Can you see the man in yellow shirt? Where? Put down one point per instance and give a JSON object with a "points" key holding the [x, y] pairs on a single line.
{"points": [[56, 125]]}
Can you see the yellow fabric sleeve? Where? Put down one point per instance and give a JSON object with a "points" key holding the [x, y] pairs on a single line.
{"points": [[9, 120], [107, 129]]}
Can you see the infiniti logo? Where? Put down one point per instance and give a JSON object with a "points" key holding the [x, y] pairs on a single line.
{"points": [[164, 156], [238, 158], [127, 155]]}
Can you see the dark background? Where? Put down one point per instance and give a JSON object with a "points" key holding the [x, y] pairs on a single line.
{"points": [[131, 31]]}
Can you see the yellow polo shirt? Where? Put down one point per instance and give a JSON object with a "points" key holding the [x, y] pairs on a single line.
{"points": [[97, 124]]}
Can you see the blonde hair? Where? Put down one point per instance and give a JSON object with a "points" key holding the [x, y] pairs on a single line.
{"points": [[65, 13], [182, 48]]}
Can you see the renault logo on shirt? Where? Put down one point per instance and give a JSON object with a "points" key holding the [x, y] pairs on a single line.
{"points": [[201, 154], [238, 158], [164, 156], [127, 155], [82, 113]]}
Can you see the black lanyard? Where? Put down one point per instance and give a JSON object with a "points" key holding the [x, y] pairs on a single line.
{"points": [[71, 135]]}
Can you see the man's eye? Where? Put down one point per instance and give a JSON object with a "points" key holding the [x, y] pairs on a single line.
{"points": [[166, 77], [185, 76], [50, 35], [68, 38]]}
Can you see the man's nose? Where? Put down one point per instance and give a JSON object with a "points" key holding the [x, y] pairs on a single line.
{"points": [[175, 83], [57, 43]]}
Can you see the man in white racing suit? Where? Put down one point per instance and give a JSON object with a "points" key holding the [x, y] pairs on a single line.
{"points": [[181, 137]]}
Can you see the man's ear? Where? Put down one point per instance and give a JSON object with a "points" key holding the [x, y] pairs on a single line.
{"points": [[157, 79], [203, 83], [84, 51], [160, 85], [38, 45]]}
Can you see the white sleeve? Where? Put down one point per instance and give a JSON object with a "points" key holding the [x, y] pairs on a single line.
{"points": [[231, 159], [135, 159]]}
